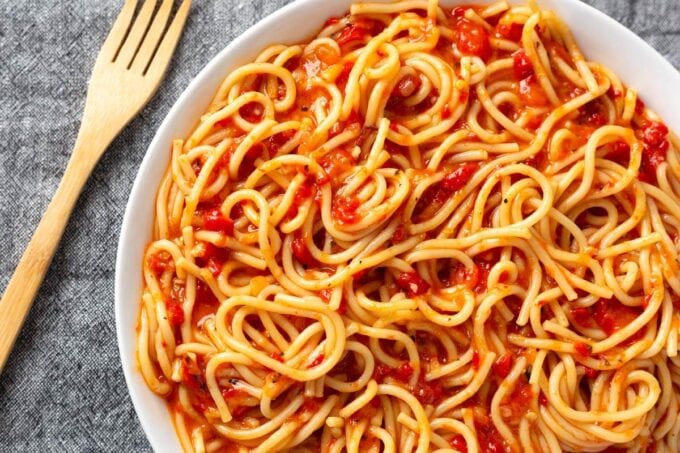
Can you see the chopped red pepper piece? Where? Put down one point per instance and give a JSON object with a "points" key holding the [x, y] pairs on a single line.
{"points": [[503, 365], [317, 361], [403, 372], [512, 32], [457, 179], [470, 38], [175, 313], [412, 283], [475, 360], [344, 210], [522, 65], [214, 220], [302, 253], [582, 349], [458, 443]]}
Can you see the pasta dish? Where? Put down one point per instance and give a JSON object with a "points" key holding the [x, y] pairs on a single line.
{"points": [[428, 229]]}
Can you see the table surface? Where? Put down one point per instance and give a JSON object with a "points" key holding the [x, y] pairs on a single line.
{"points": [[63, 387]]}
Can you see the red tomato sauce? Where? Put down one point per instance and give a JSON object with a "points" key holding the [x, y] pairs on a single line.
{"points": [[583, 350], [519, 402], [302, 253], [434, 197], [397, 108], [458, 443], [611, 315], [401, 373], [476, 277], [212, 257], [655, 146], [531, 92], [344, 210], [503, 365], [475, 360], [193, 378], [317, 361], [343, 77], [470, 38], [412, 283], [359, 31], [175, 313], [512, 31], [428, 392], [335, 164], [522, 66], [276, 141], [160, 262], [400, 235], [459, 176], [306, 190], [430, 348], [490, 440], [205, 304], [407, 86], [252, 112], [620, 153]]}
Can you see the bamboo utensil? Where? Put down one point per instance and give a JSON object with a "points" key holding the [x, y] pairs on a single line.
{"points": [[126, 74]]}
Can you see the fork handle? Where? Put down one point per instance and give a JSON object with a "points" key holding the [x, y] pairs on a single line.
{"points": [[23, 286]]}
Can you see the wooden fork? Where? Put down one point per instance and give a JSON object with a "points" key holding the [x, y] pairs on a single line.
{"points": [[128, 70]]}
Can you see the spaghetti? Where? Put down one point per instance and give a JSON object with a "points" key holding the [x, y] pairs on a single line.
{"points": [[425, 230]]}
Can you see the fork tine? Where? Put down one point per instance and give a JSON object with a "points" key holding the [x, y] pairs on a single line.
{"points": [[165, 50], [153, 36], [117, 33], [127, 52]]}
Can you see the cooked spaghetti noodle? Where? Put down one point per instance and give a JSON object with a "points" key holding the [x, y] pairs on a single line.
{"points": [[428, 229]]}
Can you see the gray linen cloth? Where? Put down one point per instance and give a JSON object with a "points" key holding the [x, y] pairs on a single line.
{"points": [[63, 387]]}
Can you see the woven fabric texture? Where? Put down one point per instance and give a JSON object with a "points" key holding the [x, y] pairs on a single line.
{"points": [[63, 388]]}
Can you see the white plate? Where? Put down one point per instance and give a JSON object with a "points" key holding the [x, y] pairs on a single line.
{"points": [[601, 39]]}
